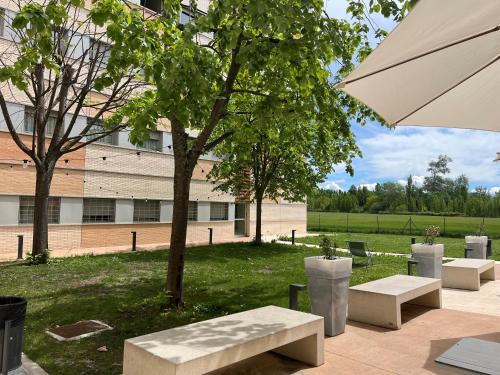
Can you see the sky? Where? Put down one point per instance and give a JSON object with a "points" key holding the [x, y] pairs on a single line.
{"points": [[394, 154]]}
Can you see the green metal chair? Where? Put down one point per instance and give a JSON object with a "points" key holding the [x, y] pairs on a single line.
{"points": [[361, 250]]}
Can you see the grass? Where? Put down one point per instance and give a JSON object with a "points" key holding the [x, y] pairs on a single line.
{"points": [[391, 243], [127, 291], [398, 224]]}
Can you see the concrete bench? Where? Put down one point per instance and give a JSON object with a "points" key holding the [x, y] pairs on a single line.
{"points": [[467, 273], [205, 346], [379, 302]]}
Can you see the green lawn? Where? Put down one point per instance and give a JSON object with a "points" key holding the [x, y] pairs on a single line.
{"points": [[127, 291], [392, 243], [398, 224]]}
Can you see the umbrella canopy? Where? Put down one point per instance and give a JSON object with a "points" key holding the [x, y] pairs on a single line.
{"points": [[439, 67]]}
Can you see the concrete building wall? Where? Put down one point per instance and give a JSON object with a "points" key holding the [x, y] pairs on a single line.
{"points": [[124, 213], [71, 210], [9, 208]]}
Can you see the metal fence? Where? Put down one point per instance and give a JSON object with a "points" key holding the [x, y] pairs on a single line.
{"points": [[450, 226]]}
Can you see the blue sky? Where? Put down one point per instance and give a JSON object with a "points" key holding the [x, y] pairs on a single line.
{"points": [[394, 154]]}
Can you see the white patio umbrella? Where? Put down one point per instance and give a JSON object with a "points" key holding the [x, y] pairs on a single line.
{"points": [[439, 67]]}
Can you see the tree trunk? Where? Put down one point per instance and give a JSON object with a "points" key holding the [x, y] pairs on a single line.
{"points": [[258, 221], [175, 274], [41, 215]]}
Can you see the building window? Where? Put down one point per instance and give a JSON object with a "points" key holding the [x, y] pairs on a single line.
{"points": [[29, 122], [27, 210], [98, 210], [219, 211], [100, 52], [146, 211], [97, 129], [60, 36], [153, 143], [193, 211], [154, 5], [2, 22]]}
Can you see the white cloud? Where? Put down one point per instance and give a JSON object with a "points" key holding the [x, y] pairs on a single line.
{"points": [[417, 181], [495, 189], [396, 154], [331, 185], [370, 187]]}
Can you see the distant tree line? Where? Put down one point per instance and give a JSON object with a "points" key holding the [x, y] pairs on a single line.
{"points": [[439, 195]]}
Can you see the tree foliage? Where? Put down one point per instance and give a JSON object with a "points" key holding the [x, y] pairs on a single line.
{"points": [[64, 61], [452, 197], [238, 49]]}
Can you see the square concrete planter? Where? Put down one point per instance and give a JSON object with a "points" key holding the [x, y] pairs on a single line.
{"points": [[430, 259], [479, 246], [328, 286]]}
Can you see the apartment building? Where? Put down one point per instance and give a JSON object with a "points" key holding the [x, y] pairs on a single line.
{"points": [[105, 191]]}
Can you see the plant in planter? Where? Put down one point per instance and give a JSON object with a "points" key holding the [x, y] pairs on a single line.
{"points": [[328, 283], [429, 254], [476, 246], [431, 233], [328, 250]]}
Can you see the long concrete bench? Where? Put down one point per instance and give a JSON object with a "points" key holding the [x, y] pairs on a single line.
{"points": [[467, 273], [379, 302], [205, 346]]}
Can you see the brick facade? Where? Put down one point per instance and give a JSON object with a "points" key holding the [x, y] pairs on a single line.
{"points": [[121, 172]]}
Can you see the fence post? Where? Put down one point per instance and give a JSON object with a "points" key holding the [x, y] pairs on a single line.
{"points": [[210, 235], [413, 240], [20, 240], [134, 241], [293, 236]]}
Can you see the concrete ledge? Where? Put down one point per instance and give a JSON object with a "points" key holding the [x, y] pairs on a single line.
{"points": [[213, 344], [379, 302], [467, 273]]}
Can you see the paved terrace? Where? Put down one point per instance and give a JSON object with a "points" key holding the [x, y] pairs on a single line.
{"points": [[365, 349]]}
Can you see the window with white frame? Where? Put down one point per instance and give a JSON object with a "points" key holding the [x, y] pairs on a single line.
{"points": [[61, 36], [99, 52], [97, 129], [219, 211], [146, 211], [98, 210], [153, 143], [193, 211], [2, 22], [29, 122], [27, 210], [154, 5]]}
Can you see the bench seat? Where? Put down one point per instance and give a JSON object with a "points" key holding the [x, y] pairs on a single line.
{"points": [[467, 273], [379, 302], [205, 346]]}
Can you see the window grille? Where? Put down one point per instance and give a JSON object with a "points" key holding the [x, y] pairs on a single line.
{"points": [[219, 211], [98, 210], [29, 122], [193, 211], [146, 211], [27, 210]]}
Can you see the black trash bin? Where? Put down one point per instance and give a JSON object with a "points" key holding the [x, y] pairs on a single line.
{"points": [[13, 310]]}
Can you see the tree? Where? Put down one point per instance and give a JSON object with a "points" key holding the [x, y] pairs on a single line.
{"points": [[60, 63], [282, 151], [435, 183], [410, 194], [238, 48]]}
